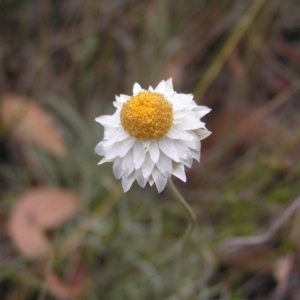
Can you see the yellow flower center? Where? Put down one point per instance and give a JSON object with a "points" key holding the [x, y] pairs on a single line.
{"points": [[147, 116]]}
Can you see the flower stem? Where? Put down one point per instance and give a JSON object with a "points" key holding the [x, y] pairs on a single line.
{"points": [[191, 217], [181, 200]]}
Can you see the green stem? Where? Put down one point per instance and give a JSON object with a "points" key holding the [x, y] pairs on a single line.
{"points": [[192, 221], [191, 218]]}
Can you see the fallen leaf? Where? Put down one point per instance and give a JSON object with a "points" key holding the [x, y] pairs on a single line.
{"points": [[30, 123], [37, 210], [61, 289], [29, 240], [50, 207]]}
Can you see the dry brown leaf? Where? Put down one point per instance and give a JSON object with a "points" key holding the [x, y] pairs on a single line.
{"points": [[62, 290], [27, 238], [50, 207], [30, 123], [39, 209]]}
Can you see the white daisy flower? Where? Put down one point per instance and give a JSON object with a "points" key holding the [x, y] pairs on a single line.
{"points": [[152, 135]]}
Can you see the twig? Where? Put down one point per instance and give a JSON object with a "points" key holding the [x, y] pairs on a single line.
{"points": [[255, 240]]}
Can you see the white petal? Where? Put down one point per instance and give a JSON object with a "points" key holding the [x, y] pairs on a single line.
{"points": [[188, 161], [104, 160], [109, 121], [126, 146], [117, 168], [161, 87], [136, 88], [195, 144], [169, 84], [160, 180], [201, 111], [167, 146], [104, 120], [119, 99], [146, 145], [177, 133], [202, 133], [117, 104], [178, 171], [127, 163], [180, 101], [154, 151], [124, 98], [164, 165], [191, 106], [191, 123], [138, 154], [127, 182], [151, 181], [179, 116], [116, 135], [182, 147], [113, 151], [147, 166], [99, 149], [195, 154], [140, 178]]}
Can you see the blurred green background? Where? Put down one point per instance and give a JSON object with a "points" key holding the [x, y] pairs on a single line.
{"points": [[61, 65]]}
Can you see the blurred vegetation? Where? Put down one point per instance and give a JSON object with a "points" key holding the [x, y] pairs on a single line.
{"points": [[70, 58]]}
